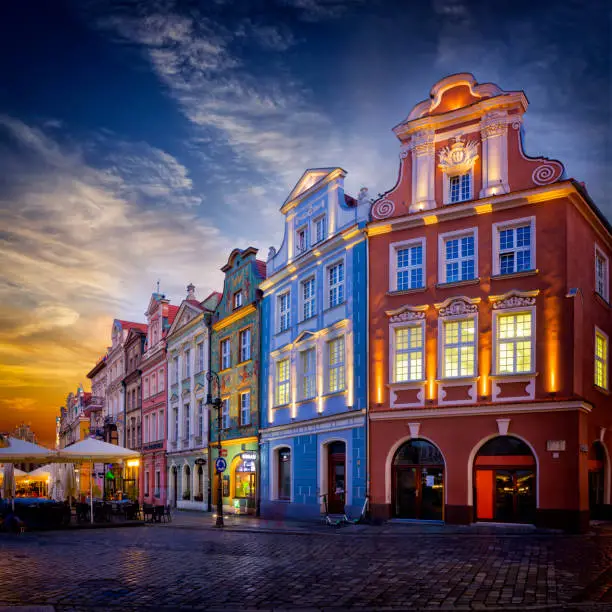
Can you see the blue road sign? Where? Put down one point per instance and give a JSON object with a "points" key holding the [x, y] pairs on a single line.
{"points": [[220, 464]]}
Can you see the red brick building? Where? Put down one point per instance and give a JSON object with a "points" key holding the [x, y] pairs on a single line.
{"points": [[490, 320]]}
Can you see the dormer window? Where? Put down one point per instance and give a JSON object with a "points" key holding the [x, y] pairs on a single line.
{"points": [[460, 187], [301, 242], [237, 299]]}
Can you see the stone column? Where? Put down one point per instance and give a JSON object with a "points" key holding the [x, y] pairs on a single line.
{"points": [[494, 134], [423, 170]]}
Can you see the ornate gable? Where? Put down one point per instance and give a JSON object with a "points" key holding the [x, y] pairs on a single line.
{"points": [[307, 182]]}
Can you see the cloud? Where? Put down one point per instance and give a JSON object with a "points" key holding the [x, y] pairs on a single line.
{"points": [[320, 10]]}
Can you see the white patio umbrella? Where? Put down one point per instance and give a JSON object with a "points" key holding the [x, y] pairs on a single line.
{"points": [[20, 451], [56, 490], [95, 451], [69, 481], [8, 483]]}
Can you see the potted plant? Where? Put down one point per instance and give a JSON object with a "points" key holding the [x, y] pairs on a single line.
{"points": [[187, 495]]}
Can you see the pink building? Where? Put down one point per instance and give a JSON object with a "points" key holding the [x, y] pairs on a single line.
{"points": [[160, 315]]}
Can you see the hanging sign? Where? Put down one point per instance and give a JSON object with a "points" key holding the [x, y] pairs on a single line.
{"points": [[200, 461]]}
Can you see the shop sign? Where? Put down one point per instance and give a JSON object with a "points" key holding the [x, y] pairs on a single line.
{"points": [[200, 461], [248, 456], [555, 445]]}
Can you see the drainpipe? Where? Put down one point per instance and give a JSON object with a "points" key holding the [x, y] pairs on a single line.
{"points": [[208, 322], [367, 378], [124, 415], [258, 303]]}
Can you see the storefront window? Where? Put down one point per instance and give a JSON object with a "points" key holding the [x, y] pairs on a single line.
{"points": [[284, 473], [245, 476]]}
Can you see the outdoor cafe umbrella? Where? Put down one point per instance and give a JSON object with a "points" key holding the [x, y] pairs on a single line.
{"points": [[42, 474], [69, 481], [95, 451], [20, 451]]}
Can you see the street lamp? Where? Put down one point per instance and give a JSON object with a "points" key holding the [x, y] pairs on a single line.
{"points": [[216, 403]]}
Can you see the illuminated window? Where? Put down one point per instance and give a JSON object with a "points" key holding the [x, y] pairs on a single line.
{"points": [[601, 359], [237, 299], [336, 378], [282, 382], [335, 280], [245, 408], [514, 247], [408, 353], [601, 274], [514, 343], [460, 187], [245, 344], [225, 413], [308, 360], [459, 348], [410, 269], [225, 354], [308, 298], [458, 258], [319, 229], [284, 313]]}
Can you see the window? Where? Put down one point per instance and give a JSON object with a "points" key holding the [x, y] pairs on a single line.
{"points": [[146, 387], [225, 413], [601, 274], [160, 380], [200, 419], [237, 299], [460, 187], [308, 298], [284, 314], [335, 278], [601, 359], [176, 370], [187, 363], [309, 366], [336, 364], [409, 266], [408, 354], [301, 241], [153, 385], [514, 246], [146, 484], [146, 428], [153, 435], [157, 483], [245, 344], [160, 428], [176, 425], [245, 408], [200, 348], [282, 382], [459, 349], [225, 354], [459, 258], [514, 343], [319, 229], [284, 473], [186, 412]]}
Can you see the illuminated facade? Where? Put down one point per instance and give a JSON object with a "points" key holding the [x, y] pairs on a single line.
{"points": [[235, 356], [160, 315], [187, 431], [314, 372], [489, 292]]}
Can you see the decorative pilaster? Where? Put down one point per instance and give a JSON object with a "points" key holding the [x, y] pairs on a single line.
{"points": [[494, 134], [423, 170]]}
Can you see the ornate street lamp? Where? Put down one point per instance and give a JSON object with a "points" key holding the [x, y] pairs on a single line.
{"points": [[216, 403]]}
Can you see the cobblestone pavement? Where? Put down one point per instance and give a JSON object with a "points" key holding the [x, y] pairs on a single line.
{"points": [[185, 565]]}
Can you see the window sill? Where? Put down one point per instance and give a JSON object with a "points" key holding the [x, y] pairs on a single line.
{"points": [[224, 370], [306, 400], [314, 316], [333, 393], [515, 274], [407, 382], [241, 363], [280, 406], [602, 300], [458, 379], [511, 376], [461, 283], [283, 331], [601, 390], [407, 291], [330, 308]]}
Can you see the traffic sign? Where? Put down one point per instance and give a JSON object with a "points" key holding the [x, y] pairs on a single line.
{"points": [[223, 452], [220, 464]]}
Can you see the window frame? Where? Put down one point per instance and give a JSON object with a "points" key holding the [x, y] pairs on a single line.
{"points": [[495, 356], [340, 286], [200, 405], [225, 413], [285, 381], [312, 299], [393, 328], [340, 366], [187, 365], [245, 422], [442, 344], [312, 375], [225, 357], [279, 496], [283, 315], [320, 218], [238, 300], [605, 360], [442, 261], [448, 176], [496, 251], [599, 254], [246, 332], [301, 230], [186, 421], [394, 247], [200, 349]]}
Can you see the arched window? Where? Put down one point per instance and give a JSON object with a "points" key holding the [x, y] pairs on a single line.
{"points": [[186, 482], [284, 473]]}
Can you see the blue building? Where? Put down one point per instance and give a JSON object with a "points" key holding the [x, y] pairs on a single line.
{"points": [[314, 336]]}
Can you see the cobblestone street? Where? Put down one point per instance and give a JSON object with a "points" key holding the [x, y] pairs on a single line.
{"points": [[189, 565]]}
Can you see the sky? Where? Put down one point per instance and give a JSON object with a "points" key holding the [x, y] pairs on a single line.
{"points": [[143, 141]]}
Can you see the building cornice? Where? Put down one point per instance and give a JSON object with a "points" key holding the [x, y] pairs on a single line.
{"points": [[346, 420], [235, 316]]}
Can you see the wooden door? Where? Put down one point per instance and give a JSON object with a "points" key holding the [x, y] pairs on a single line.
{"points": [[337, 482]]}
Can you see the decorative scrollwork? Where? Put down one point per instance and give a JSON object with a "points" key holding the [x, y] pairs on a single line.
{"points": [[544, 174], [383, 209], [408, 315]]}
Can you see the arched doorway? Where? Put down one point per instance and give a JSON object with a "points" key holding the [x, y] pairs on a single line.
{"points": [[505, 481], [597, 470], [418, 481], [174, 485], [336, 477]]}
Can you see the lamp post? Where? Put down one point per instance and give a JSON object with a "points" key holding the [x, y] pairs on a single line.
{"points": [[216, 403]]}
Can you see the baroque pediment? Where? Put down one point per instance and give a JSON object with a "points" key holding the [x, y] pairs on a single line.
{"points": [[458, 306], [514, 299], [407, 313], [459, 157]]}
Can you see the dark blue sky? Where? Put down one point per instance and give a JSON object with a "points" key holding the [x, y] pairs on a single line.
{"points": [[145, 140]]}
